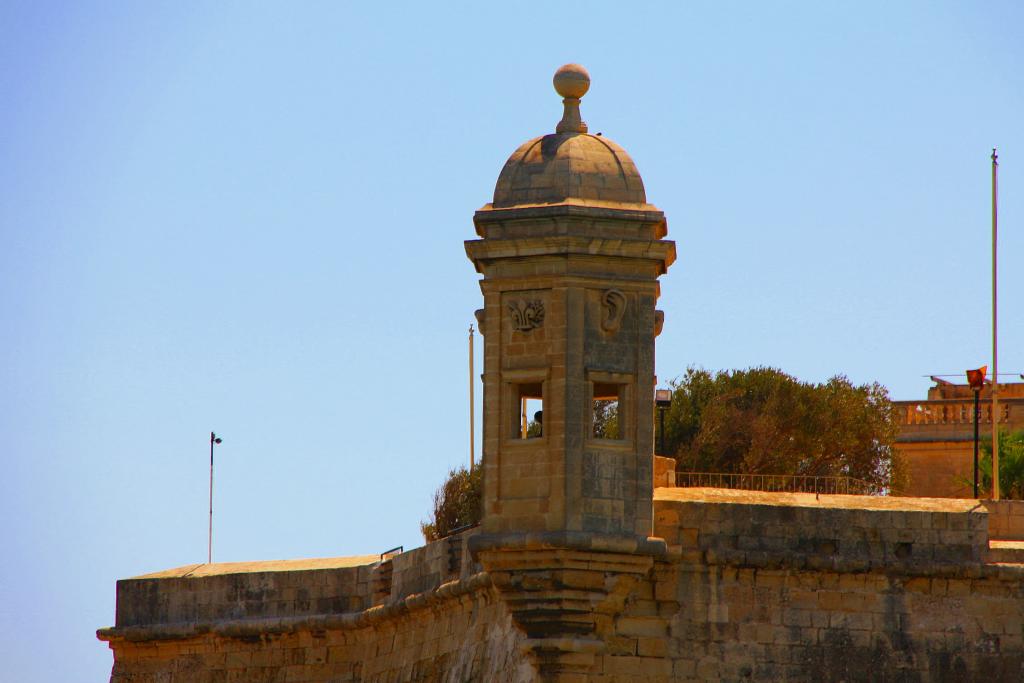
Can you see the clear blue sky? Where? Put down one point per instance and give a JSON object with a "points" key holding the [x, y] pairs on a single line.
{"points": [[249, 218]]}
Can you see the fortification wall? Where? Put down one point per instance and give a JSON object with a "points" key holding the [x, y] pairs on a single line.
{"points": [[746, 624], [787, 587], [1005, 519], [755, 587], [425, 615], [463, 635]]}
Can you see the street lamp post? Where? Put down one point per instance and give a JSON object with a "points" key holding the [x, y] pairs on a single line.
{"points": [[662, 399], [976, 378], [214, 439]]}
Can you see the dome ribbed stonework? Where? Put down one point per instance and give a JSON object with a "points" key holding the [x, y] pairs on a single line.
{"points": [[569, 168]]}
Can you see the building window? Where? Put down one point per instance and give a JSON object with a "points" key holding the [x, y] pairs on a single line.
{"points": [[607, 404], [611, 405], [528, 417]]}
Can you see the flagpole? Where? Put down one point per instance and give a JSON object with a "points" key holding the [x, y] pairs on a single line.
{"points": [[472, 421], [995, 328]]}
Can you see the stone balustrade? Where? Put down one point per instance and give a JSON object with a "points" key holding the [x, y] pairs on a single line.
{"points": [[952, 411]]}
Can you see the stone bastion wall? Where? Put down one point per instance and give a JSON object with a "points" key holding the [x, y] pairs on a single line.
{"points": [[754, 587]]}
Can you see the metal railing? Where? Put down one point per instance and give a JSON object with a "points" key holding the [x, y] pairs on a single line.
{"points": [[391, 554], [774, 482], [459, 530]]}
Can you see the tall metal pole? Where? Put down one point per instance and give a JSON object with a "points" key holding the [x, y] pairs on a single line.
{"points": [[472, 421], [995, 328], [209, 544]]}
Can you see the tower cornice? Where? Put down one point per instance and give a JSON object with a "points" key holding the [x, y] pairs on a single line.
{"points": [[485, 252]]}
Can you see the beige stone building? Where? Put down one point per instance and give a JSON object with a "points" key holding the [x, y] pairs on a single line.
{"points": [[587, 567], [936, 439]]}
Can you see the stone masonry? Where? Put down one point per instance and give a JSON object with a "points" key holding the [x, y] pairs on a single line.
{"points": [[753, 587], [590, 566]]}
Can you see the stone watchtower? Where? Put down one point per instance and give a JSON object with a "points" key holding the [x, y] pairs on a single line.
{"points": [[571, 253]]}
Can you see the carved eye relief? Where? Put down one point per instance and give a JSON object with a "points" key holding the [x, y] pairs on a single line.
{"points": [[526, 315], [613, 308]]}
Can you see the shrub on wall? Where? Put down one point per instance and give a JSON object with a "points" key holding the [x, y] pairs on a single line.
{"points": [[457, 503]]}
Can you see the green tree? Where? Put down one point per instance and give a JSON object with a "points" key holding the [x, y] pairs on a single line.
{"points": [[457, 503], [606, 420], [763, 421], [1011, 465]]}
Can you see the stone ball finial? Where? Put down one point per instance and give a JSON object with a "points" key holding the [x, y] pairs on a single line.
{"points": [[571, 80]]}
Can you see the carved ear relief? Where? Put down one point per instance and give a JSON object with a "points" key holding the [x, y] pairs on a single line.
{"points": [[613, 308], [526, 315]]}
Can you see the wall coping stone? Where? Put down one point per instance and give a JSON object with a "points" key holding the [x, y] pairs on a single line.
{"points": [[811, 500], [198, 571], [568, 540], [250, 627]]}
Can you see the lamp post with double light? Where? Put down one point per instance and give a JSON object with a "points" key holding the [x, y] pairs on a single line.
{"points": [[976, 379]]}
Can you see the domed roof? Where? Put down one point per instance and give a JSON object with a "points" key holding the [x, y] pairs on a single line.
{"points": [[570, 166], [559, 168]]}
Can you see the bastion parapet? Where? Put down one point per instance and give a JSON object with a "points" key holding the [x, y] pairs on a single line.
{"points": [[753, 586]]}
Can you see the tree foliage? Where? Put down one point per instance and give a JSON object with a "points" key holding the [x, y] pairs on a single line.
{"points": [[763, 421], [1011, 465], [606, 420], [457, 503]]}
